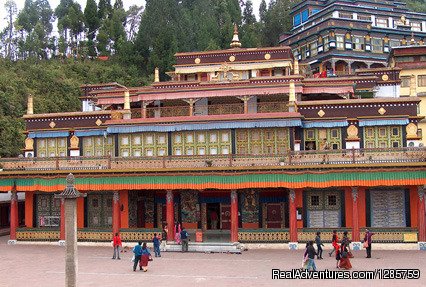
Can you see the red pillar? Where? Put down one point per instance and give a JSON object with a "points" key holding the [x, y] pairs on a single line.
{"points": [[234, 216], [421, 217], [62, 232], [13, 215], [293, 218], [355, 222], [116, 213], [170, 215]]}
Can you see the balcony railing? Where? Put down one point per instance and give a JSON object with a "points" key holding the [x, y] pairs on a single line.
{"points": [[216, 109], [291, 158]]}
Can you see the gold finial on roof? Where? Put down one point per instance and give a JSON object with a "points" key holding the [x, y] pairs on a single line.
{"points": [[235, 40]]}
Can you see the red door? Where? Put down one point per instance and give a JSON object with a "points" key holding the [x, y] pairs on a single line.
{"points": [[225, 216], [274, 216]]}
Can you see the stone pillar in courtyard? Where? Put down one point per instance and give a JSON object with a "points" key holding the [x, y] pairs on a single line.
{"points": [[62, 223], [421, 218], [116, 213], [293, 244], [356, 244], [13, 217], [234, 216], [170, 215], [70, 195]]}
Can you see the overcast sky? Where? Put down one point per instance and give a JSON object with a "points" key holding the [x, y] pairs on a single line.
{"points": [[127, 4]]}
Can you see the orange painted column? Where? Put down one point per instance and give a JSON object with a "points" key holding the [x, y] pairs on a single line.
{"points": [[355, 220], [299, 204], [62, 226], [80, 212], [293, 217], [414, 207], [234, 216], [124, 201], [421, 216], [170, 214], [29, 209], [115, 212], [13, 215]]}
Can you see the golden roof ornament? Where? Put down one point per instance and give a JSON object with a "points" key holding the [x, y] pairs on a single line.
{"points": [[235, 40]]}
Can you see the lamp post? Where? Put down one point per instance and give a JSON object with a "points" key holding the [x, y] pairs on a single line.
{"points": [[70, 195]]}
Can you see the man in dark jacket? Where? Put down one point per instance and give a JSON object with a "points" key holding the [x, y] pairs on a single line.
{"points": [[319, 243], [184, 238], [311, 256], [137, 250]]}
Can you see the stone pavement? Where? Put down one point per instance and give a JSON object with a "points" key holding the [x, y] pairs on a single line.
{"points": [[43, 265]]}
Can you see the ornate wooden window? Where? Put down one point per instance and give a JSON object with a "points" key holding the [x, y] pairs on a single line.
{"points": [[323, 208], [141, 144], [323, 138], [382, 22], [383, 137], [98, 146], [263, 141], [52, 147], [405, 82], [358, 43]]}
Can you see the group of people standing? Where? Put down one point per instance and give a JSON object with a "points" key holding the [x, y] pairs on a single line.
{"points": [[343, 252]]}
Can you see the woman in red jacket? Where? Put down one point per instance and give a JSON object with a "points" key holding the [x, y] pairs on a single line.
{"points": [[116, 243]]}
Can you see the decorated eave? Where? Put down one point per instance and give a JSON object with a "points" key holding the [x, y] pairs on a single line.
{"points": [[387, 111], [234, 55], [67, 120]]}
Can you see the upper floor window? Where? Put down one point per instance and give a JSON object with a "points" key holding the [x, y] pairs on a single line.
{"points": [[376, 45], [305, 16], [314, 11], [358, 43], [340, 42], [325, 41], [314, 48], [421, 80], [297, 20], [416, 26], [364, 17], [405, 82], [345, 15], [382, 22], [394, 43]]}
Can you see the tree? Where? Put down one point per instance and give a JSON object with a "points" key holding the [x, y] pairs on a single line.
{"points": [[11, 10], [70, 22], [250, 30], [92, 22], [104, 9], [134, 15]]}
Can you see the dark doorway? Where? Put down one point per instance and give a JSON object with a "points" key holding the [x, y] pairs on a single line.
{"points": [[141, 214], [213, 216], [225, 216]]}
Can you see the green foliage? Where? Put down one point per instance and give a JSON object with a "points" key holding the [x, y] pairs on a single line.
{"points": [[55, 87], [417, 5]]}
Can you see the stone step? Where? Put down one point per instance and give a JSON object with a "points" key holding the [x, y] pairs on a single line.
{"points": [[210, 247]]}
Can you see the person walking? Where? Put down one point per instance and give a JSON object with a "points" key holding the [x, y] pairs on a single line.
{"points": [[156, 242], [367, 242], [145, 257], [116, 243], [334, 242], [345, 263], [311, 256], [319, 244], [178, 238], [184, 238], [137, 250]]}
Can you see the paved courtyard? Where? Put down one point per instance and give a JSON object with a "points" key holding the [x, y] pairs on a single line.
{"points": [[43, 265]]}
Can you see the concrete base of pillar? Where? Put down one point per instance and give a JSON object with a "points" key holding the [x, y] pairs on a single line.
{"points": [[422, 245], [61, 242], [11, 242], [293, 245], [356, 246]]}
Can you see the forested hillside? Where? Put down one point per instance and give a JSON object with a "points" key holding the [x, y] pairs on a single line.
{"points": [[51, 66]]}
